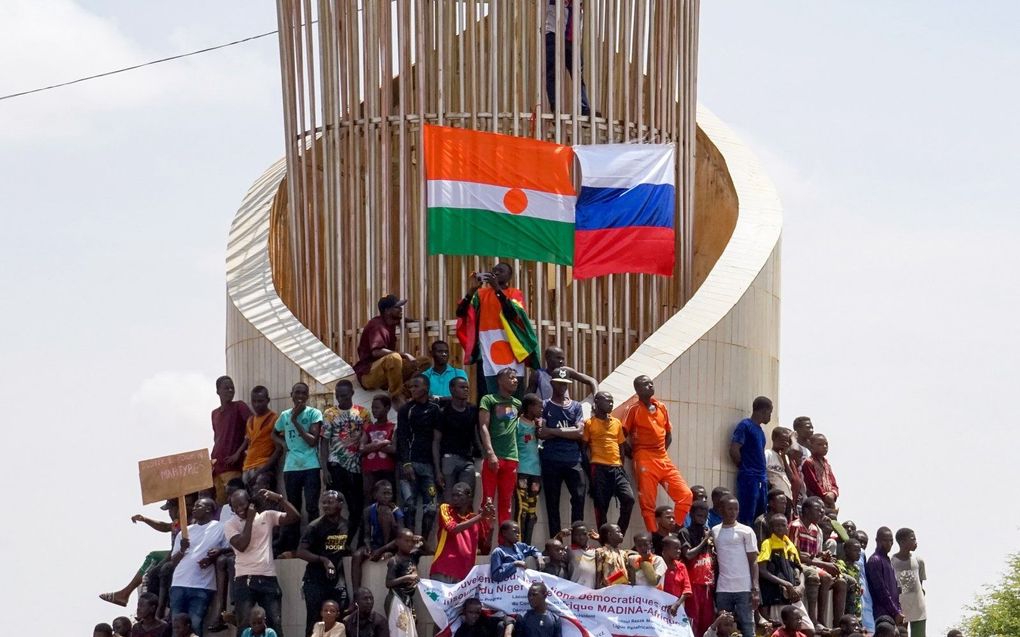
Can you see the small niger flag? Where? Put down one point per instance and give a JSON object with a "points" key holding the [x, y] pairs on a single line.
{"points": [[499, 195]]}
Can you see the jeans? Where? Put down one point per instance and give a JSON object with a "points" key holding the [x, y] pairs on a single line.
{"points": [[352, 486], [740, 605], [419, 492], [249, 590], [554, 474], [457, 469], [194, 602], [550, 72], [306, 483]]}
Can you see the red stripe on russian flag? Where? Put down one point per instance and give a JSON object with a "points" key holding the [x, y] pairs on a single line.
{"points": [[637, 249]]}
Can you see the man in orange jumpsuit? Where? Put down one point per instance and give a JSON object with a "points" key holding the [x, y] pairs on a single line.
{"points": [[649, 433]]}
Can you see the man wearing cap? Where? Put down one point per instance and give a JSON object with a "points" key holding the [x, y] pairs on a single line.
{"points": [[562, 431], [379, 365]]}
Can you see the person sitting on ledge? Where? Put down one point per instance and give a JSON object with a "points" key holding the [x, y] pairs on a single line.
{"points": [[380, 365]]}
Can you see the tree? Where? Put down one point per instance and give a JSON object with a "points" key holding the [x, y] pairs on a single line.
{"points": [[996, 611]]}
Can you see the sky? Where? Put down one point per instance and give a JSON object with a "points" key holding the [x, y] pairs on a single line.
{"points": [[888, 128]]}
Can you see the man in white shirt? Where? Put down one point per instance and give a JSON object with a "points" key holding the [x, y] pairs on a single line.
{"points": [[251, 536], [194, 580], [736, 549]]}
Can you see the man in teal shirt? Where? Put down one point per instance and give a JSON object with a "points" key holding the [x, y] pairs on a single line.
{"points": [[441, 373], [297, 430]]}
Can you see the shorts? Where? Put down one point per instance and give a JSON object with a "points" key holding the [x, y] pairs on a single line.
{"points": [[220, 481]]}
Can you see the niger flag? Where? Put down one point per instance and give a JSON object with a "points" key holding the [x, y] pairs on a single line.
{"points": [[499, 195]]}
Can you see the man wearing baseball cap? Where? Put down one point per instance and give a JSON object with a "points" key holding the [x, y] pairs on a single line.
{"points": [[380, 365]]}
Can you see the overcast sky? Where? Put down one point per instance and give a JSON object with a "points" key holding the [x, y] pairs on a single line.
{"points": [[889, 129]]}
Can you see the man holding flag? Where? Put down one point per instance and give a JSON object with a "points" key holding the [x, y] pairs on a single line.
{"points": [[494, 329]]}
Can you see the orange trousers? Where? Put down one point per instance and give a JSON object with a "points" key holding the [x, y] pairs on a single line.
{"points": [[653, 469]]}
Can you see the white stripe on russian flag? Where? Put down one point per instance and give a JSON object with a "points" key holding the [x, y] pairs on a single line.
{"points": [[626, 165], [469, 194]]}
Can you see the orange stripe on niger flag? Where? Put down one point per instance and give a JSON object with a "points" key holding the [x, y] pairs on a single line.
{"points": [[456, 154]]}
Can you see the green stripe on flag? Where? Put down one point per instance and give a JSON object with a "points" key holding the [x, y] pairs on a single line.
{"points": [[472, 231]]}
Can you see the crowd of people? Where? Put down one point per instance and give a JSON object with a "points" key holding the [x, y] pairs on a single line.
{"points": [[772, 553]]}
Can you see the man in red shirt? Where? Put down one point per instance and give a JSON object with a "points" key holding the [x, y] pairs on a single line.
{"points": [[457, 539], [380, 365], [649, 433], [228, 425]]}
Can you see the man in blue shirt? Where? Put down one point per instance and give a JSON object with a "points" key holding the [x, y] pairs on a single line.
{"points": [[441, 372], [562, 433], [747, 450], [509, 556]]}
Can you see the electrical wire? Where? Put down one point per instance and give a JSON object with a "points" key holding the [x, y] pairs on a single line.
{"points": [[138, 66]]}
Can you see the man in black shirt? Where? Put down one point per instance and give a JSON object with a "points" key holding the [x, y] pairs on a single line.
{"points": [[539, 621], [455, 445], [416, 424], [325, 543], [665, 525]]}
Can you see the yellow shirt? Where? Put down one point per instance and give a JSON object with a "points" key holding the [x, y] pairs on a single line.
{"points": [[259, 431], [774, 544], [604, 437]]}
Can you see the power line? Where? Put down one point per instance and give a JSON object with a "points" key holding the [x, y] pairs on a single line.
{"points": [[138, 66]]}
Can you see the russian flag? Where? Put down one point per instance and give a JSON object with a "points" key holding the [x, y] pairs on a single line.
{"points": [[624, 215]]}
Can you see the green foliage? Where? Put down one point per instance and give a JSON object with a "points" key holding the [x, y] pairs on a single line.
{"points": [[996, 612]]}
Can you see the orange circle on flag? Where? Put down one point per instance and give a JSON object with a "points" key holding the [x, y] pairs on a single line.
{"points": [[500, 353], [515, 201]]}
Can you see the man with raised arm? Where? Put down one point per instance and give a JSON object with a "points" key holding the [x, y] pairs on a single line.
{"points": [[251, 536]]}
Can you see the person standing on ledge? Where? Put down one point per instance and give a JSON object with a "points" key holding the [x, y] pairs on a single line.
{"points": [[380, 365], [649, 433], [747, 450], [228, 425], [494, 329]]}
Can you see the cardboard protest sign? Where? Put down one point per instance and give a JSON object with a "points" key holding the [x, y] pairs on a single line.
{"points": [[175, 476], [615, 611]]}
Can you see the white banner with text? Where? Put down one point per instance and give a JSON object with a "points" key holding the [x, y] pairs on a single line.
{"points": [[615, 611]]}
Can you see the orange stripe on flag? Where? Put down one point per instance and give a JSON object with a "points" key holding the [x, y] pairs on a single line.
{"points": [[501, 160]]}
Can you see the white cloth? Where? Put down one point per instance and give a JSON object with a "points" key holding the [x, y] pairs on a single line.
{"points": [[203, 538], [777, 473], [319, 630], [732, 544], [910, 576], [584, 567], [257, 559]]}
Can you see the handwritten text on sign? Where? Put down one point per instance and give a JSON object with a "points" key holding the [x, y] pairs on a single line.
{"points": [[172, 476]]}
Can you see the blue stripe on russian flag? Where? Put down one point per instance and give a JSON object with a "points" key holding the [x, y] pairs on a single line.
{"points": [[649, 205]]}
